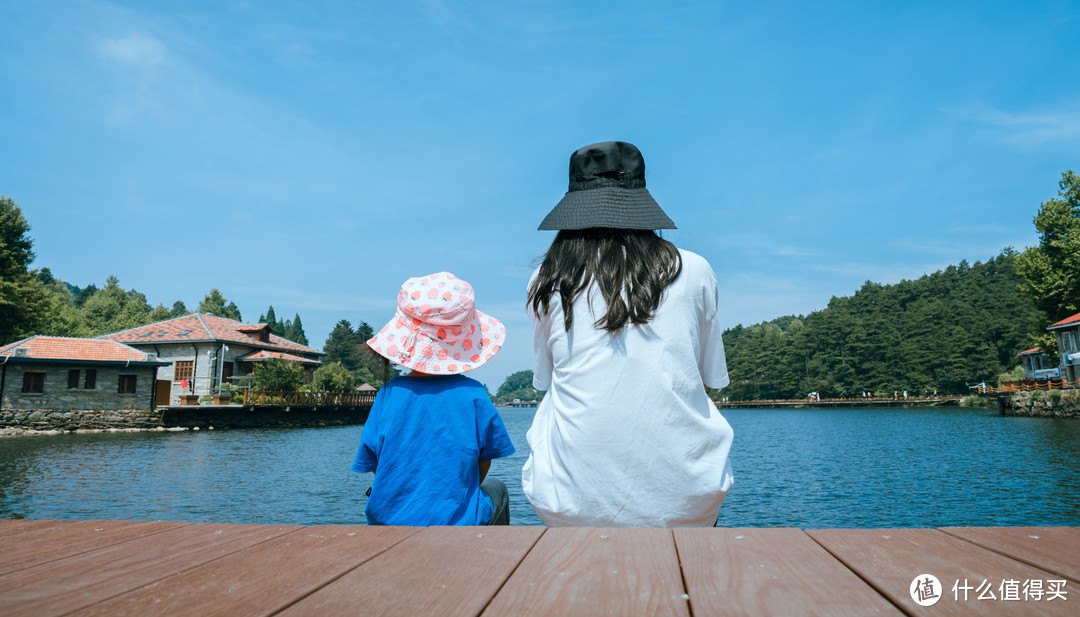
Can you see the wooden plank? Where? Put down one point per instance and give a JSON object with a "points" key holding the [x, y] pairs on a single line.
{"points": [[260, 580], [45, 544], [770, 572], [596, 572], [891, 559], [10, 527], [75, 582], [443, 571], [1054, 549]]}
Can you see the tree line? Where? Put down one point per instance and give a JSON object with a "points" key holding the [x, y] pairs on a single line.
{"points": [[946, 330]]}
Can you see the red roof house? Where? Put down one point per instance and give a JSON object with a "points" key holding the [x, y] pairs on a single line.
{"points": [[1067, 332], [1034, 362], [206, 351], [1068, 321], [201, 328], [44, 374], [78, 350]]}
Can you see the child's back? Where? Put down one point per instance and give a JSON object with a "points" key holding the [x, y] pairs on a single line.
{"points": [[430, 436], [424, 438]]}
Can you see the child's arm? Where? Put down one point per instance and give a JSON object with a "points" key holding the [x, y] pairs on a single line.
{"points": [[484, 466]]}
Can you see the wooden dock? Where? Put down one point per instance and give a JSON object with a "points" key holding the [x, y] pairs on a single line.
{"points": [[170, 568]]}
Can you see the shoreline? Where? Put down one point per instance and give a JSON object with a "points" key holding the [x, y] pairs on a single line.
{"points": [[15, 431], [941, 401]]}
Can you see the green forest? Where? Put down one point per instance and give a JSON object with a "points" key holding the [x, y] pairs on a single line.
{"points": [[958, 326], [955, 327]]}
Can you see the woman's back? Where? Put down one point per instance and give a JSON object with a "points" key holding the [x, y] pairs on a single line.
{"points": [[626, 434]]}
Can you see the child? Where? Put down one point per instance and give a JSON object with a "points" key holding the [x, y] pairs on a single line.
{"points": [[626, 332], [431, 435]]}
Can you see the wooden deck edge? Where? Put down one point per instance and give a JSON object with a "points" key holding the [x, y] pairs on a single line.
{"points": [[951, 532]]}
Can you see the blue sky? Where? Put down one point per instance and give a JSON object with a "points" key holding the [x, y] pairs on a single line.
{"points": [[314, 155]]}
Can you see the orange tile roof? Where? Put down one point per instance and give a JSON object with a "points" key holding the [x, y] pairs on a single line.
{"points": [[1032, 350], [262, 354], [202, 327], [76, 350], [1068, 321]]}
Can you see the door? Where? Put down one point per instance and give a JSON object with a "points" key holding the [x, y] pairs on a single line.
{"points": [[162, 395]]}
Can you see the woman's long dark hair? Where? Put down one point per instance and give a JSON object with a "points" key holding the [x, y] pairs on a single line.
{"points": [[631, 267]]}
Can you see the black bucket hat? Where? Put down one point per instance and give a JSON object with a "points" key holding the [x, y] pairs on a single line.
{"points": [[607, 189]]}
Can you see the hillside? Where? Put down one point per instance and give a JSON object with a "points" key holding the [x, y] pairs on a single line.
{"points": [[961, 325]]}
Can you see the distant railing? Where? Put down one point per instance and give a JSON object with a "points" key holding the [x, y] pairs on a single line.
{"points": [[855, 399], [1029, 385], [281, 397]]}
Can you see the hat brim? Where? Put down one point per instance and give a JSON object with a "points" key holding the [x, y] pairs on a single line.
{"points": [[613, 207], [430, 354]]}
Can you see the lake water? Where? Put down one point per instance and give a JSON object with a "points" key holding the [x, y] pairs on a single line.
{"points": [[807, 468]]}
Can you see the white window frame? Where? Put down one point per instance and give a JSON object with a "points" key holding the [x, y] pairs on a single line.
{"points": [[1068, 341]]}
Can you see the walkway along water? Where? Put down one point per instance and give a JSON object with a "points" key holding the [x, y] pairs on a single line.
{"points": [[877, 402]]}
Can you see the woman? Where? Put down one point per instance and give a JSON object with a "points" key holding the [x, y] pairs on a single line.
{"points": [[626, 335]]}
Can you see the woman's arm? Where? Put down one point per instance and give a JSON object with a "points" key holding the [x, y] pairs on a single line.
{"points": [[484, 466]]}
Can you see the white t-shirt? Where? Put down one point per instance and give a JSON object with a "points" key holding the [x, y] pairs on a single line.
{"points": [[626, 435]]}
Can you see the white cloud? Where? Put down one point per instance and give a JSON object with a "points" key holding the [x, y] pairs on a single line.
{"points": [[137, 50], [1028, 128], [969, 244], [879, 273]]}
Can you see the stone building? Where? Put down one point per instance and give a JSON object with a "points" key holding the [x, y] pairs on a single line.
{"points": [[42, 376], [204, 351], [1034, 361], [1067, 332]]}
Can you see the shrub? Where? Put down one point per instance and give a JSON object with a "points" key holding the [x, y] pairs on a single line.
{"points": [[332, 377], [278, 375]]}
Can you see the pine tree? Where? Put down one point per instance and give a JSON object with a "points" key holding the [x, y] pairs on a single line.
{"points": [[297, 331], [342, 346], [214, 304], [270, 319], [24, 300], [113, 308]]}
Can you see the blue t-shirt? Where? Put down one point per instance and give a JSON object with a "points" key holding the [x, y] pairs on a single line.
{"points": [[425, 437]]}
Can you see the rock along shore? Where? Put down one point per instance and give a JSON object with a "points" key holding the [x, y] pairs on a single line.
{"points": [[1045, 404]]}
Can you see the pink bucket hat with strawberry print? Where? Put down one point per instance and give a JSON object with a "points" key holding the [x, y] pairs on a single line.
{"points": [[437, 329]]}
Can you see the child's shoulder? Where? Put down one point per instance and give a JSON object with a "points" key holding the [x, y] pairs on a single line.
{"points": [[467, 385], [436, 383]]}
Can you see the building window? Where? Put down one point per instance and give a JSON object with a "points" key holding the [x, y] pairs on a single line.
{"points": [[33, 381], [182, 370], [1068, 342], [127, 384], [91, 379], [73, 379]]}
